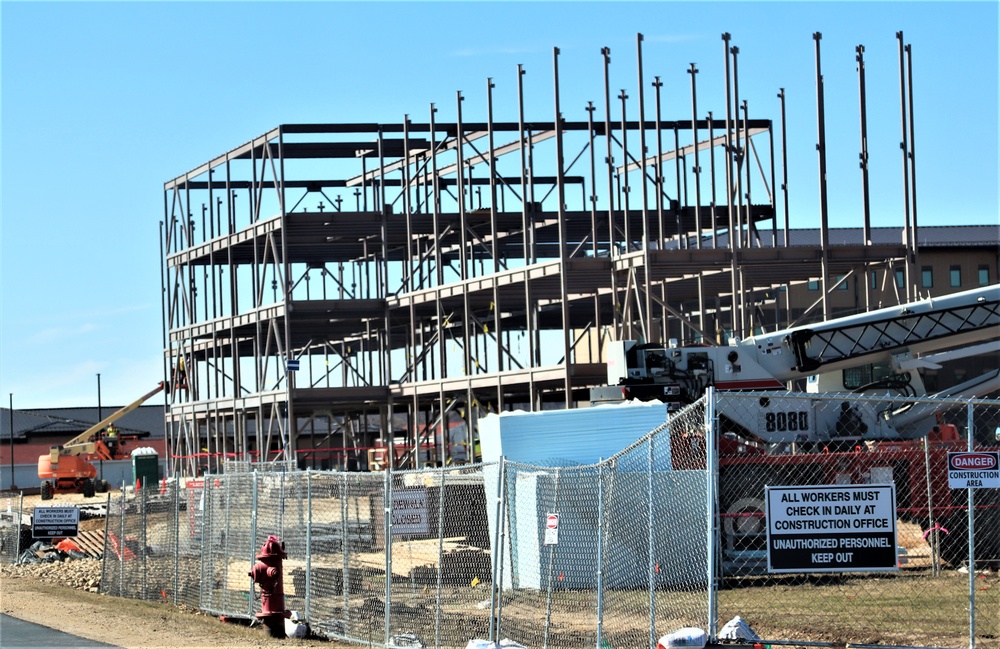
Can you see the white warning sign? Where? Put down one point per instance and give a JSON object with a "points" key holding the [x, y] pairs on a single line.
{"points": [[831, 528]]}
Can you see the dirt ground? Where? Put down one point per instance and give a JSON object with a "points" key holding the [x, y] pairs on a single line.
{"points": [[130, 623]]}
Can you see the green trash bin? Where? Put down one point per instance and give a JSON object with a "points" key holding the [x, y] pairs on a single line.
{"points": [[145, 467]]}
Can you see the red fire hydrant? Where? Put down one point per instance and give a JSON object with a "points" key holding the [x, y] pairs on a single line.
{"points": [[267, 573]]}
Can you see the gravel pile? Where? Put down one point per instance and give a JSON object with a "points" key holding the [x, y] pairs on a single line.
{"points": [[83, 574]]}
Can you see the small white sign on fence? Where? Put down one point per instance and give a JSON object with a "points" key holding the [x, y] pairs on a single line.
{"points": [[409, 512], [552, 529]]}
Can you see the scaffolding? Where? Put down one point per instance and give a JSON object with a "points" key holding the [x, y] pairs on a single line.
{"points": [[352, 295]]}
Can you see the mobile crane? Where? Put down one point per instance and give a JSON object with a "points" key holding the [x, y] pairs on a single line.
{"points": [[66, 469], [892, 338], [779, 439]]}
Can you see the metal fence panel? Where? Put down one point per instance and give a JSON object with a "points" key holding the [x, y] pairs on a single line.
{"points": [[925, 598], [610, 555]]}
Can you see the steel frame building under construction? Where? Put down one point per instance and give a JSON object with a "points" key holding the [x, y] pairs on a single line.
{"points": [[330, 289]]}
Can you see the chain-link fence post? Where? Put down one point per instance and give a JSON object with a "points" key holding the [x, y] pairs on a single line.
{"points": [[177, 538], [387, 527], [651, 545], [497, 550], [971, 428], [253, 535], [144, 499], [600, 552], [309, 519], [121, 547], [932, 526], [440, 569], [552, 562], [713, 540], [104, 552], [344, 551]]}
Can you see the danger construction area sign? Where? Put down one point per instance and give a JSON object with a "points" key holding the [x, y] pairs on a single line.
{"points": [[831, 528], [974, 470]]}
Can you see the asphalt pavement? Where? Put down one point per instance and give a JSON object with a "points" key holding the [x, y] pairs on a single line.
{"points": [[18, 633]]}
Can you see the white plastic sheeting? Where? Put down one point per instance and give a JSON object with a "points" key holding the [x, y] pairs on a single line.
{"points": [[566, 438]]}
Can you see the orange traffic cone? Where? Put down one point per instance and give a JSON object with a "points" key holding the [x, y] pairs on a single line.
{"points": [[163, 486], [138, 485]]}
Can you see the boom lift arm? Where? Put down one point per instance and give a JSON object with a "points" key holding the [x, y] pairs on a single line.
{"points": [[84, 442]]}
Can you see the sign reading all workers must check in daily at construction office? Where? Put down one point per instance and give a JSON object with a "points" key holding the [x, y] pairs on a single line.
{"points": [[55, 522], [831, 528], [974, 470]]}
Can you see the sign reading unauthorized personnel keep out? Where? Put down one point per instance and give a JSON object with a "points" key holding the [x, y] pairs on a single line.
{"points": [[55, 522], [974, 469], [831, 528]]}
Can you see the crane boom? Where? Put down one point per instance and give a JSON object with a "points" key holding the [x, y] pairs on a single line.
{"points": [[917, 327]]}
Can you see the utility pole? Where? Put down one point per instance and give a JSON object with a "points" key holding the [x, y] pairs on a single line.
{"points": [[99, 417], [11, 432]]}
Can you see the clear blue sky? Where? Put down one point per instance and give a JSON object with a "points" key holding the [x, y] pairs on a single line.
{"points": [[104, 102]]}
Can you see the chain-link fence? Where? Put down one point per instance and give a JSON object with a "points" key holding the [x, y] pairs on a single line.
{"points": [[14, 536], [817, 519], [858, 573]]}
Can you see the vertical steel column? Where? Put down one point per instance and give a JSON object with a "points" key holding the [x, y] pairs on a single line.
{"points": [[646, 265], [623, 200], [494, 238], [711, 173], [784, 163], [528, 230], [592, 199], [659, 166], [866, 227], [679, 188], [914, 248], [908, 233], [863, 155], [740, 152], [733, 230], [610, 160], [594, 351], [561, 212], [747, 150], [463, 251], [288, 439], [824, 229], [693, 71]]}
